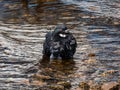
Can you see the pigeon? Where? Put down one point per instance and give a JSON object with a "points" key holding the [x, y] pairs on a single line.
{"points": [[59, 43]]}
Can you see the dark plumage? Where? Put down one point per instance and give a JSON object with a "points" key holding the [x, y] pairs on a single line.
{"points": [[59, 43]]}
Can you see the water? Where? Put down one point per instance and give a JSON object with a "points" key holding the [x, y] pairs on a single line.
{"points": [[98, 7], [95, 25]]}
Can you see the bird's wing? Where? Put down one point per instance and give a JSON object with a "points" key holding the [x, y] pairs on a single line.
{"points": [[70, 42], [47, 43]]}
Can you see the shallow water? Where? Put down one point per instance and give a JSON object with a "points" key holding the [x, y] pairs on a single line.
{"points": [[94, 23]]}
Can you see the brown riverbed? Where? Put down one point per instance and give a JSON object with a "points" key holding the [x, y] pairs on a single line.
{"points": [[96, 62]]}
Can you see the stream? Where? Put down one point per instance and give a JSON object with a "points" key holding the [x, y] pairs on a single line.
{"points": [[95, 25]]}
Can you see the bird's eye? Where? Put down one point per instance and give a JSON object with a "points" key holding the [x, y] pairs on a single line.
{"points": [[62, 35]]}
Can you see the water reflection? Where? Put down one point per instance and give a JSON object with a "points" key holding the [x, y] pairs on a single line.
{"points": [[58, 72], [98, 7], [45, 61], [35, 12]]}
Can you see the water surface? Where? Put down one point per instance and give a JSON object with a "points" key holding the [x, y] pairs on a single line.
{"points": [[95, 25]]}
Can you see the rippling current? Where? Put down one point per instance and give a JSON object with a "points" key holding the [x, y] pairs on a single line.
{"points": [[95, 25]]}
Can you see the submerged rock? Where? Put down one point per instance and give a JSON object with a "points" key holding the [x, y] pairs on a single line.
{"points": [[41, 77], [84, 86], [95, 87], [56, 87], [65, 84], [111, 86]]}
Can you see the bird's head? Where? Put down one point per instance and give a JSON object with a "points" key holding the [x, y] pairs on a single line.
{"points": [[60, 29]]}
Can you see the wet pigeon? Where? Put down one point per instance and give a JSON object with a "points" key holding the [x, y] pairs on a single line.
{"points": [[59, 43]]}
